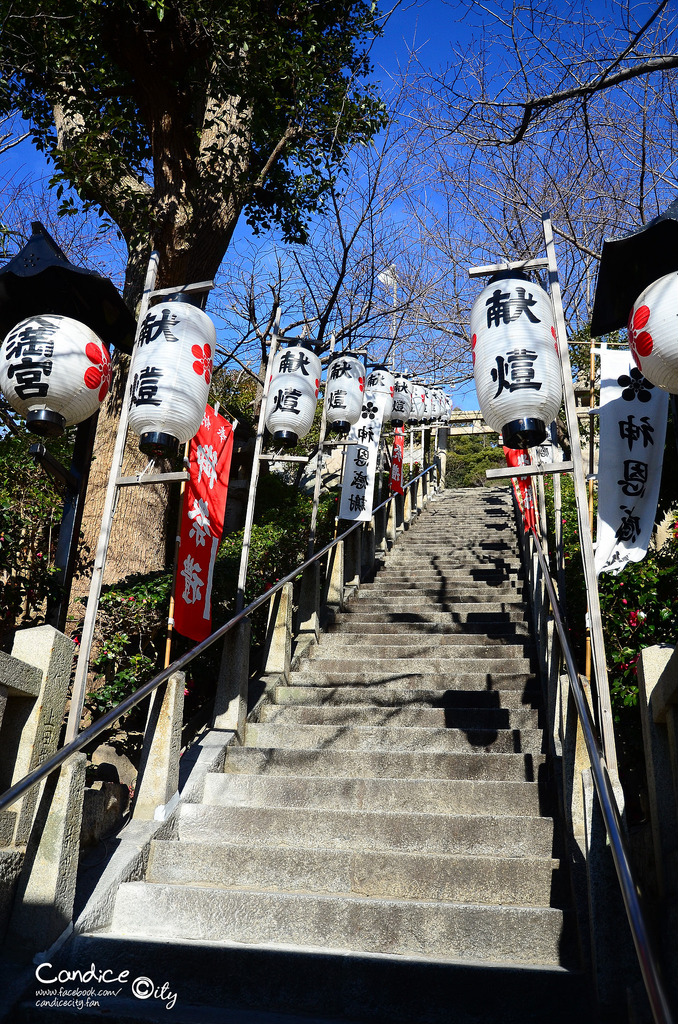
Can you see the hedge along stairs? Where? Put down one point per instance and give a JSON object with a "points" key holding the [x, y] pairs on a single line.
{"points": [[380, 849]]}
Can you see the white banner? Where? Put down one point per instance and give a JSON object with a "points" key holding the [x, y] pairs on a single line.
{"points": [[360, 467], [633, 416]]}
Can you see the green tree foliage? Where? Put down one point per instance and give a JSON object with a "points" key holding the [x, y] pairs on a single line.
{"points": [[30, 512], [468, 456], [173, 119]]}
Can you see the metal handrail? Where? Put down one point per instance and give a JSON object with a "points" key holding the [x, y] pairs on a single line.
{"points": [[87, 735], [642, 940]]}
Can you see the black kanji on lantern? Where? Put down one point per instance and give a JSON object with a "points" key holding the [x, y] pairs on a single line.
{"points": [[154, 325], [337, 400], [145, 386], [291, 362], [287, 401], [515, 372], [340, 368], [32, 347], [502, 308]]}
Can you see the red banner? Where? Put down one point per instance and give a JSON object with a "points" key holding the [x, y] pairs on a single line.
{"points": [[522, 486], [202, 525], [397, 461]]}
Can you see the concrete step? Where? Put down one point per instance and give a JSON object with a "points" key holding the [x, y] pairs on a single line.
{"points": [[424, 796], [446, 662], [419, 651], [396, 697], [480, 644], [270, 984], [356, 620], [466, 613], [431, 929], [496, 880], [477, 834], [297, 737], [424, 717], [319, 675], [385, 764]]}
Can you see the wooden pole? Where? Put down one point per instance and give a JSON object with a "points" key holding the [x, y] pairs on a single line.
{"points": [[605, 722], [254, 480], [80, 683], [318, 470]]}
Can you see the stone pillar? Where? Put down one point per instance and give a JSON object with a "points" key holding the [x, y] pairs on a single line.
{"points": [[407, 508], [278, 656], [309, 603], [43, 906], [33, 718], [230, 701], [353, 558], [335, 576], [399, 502], [391, 524], [369, 548], [158, 779]]}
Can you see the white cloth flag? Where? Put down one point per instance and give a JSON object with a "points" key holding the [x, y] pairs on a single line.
{"points": [[360, 467], [633, 416]]}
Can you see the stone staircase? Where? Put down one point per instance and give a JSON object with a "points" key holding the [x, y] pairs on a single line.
{"points": [[381, 848]]}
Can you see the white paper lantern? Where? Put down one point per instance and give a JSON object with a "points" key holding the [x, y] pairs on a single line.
{"points": [[402, 401], [293, 394], [653, 333], [418, 402], [170, 373], [516, 361], [344, 391], [54, 371], [380, 381]]}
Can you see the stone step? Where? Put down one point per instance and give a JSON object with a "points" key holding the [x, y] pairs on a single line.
{"points": [[298, 737], [385, 764], [429, 718], [443, 592], [431, 929], [396, 650], [471, 612], [480, 644], [394, 697], [355, 621], [447, 662], [270, 984], [477, 834], [316, 675], [526, 881], [424, 796]]}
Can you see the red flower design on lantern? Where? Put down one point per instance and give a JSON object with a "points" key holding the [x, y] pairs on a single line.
{"points": [[99, 375], [555, 340], [203, 361], [640, 341], [361, 382], [474, 339]]}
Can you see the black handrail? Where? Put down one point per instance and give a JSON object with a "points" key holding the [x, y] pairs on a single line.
{"points": [[641, 937], [87, 735]]}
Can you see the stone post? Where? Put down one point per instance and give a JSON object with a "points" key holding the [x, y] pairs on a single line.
{"points": [[230, 701], [43, 906], [158, 779], [309, 603], [391, 524], [353, 556], [278, 656], [369, 548], [33, 717], [335, 576]]}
